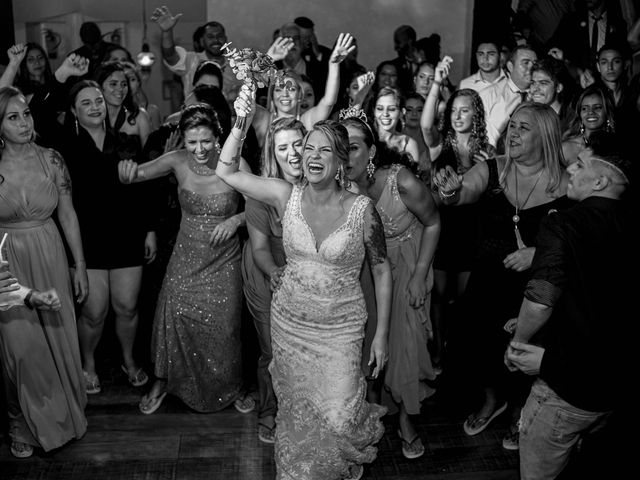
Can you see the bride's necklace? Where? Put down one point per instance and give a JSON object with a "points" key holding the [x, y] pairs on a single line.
{"points": [[516, 217], [200, 169]]}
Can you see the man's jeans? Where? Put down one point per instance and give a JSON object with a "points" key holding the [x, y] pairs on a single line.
{"points": [[549, 429]]}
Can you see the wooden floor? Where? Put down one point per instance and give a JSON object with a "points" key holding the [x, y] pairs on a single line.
{"points": [[176, 443]]}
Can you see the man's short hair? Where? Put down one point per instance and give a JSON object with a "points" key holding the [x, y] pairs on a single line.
{"points": [[621, 47], [517, 48], [606, 147], [407, 30], [304, 22]]}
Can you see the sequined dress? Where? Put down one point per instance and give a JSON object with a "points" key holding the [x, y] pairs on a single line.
{"points": [[317, 327], [196, 333], [409, 328]]}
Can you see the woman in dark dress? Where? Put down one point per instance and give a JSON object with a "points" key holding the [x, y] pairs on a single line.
{"points": [[514, 192]]}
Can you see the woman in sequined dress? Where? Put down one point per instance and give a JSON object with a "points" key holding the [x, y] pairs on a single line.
{"points": [[412, 227], [325, 428], [196, 334]]}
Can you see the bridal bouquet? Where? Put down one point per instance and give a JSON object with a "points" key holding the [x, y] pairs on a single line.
{"points": [[255, 69]]}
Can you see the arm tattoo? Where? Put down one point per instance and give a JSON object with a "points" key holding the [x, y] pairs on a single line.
{"points": [[374, 242], [64, 179]]}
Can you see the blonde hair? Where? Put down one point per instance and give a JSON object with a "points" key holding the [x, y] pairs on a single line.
{"points": [[270, 167], [548, 124]]}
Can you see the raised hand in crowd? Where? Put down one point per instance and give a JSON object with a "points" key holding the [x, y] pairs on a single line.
{"points": [[279, 48], [344, 46], [165, 20], [73, 65]]}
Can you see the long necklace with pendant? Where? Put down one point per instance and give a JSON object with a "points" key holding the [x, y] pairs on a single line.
{"points": [[516, 217]]}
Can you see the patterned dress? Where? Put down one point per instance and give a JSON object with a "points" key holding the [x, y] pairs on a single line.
{"points": [[317, 327], [196, 334]]}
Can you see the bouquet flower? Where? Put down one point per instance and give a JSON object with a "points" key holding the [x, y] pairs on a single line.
{"points": [[255, 69]]}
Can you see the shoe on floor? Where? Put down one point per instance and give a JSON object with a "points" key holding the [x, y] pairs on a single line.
{"points": [[411, 448], [137, 378], [245, 404], [148, 405], [473, 426], [355, 472], [511, 439], [266, 434], [91, 383], [21, 450]]}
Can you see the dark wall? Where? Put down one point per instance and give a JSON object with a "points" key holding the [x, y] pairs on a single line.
{"points": [[7, 34]]}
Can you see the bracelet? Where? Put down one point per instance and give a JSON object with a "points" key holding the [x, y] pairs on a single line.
{"points": [[238, 139], [27, 300], [447, 195]]}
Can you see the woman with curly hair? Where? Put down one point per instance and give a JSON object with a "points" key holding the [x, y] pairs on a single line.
{"points": [[463, 141], [594, 112]]}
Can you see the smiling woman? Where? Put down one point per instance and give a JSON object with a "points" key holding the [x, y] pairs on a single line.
{"points": [[513, 193], [196, 329], [325, 428]]}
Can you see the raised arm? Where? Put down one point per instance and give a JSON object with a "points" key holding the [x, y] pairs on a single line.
{"points": [[429, 118], [272, 191], [344, 46], [166, 21], [16, 54], [376, 251], [418, 200]]}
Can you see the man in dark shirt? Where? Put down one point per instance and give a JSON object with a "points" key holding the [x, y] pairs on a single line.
{"points": [[579, 292]]}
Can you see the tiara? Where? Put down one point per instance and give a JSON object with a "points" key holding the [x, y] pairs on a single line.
{"points": [[354, 111]]}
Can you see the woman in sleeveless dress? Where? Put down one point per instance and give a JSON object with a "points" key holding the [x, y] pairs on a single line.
{"points": [[196, 333], [412, 228], [325, 428], [263, 257], [461, 140], [39, 350], [514, 192]]}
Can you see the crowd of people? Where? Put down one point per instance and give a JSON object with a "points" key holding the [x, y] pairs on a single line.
{"points": [[382, 227]]}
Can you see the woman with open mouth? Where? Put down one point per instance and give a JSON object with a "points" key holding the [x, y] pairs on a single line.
{"points": [[325, 427], [286, 95]]}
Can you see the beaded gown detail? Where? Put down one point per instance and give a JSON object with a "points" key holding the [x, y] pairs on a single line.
{"points": [[196, 334], [318, 315], [409, 328]]}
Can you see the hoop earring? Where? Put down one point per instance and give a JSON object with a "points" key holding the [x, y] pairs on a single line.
{"points": [[77, 129], [371, 169], [2, 144]]}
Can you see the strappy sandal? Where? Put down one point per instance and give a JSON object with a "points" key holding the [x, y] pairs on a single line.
{"points": [[91, 383], [138, 379], [267, 434], [21, 450], [474, 425], [152, 404], [411, 448], [245, 405]]}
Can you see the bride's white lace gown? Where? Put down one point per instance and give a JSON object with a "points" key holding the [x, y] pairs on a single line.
{"points": [[324, 424]]}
